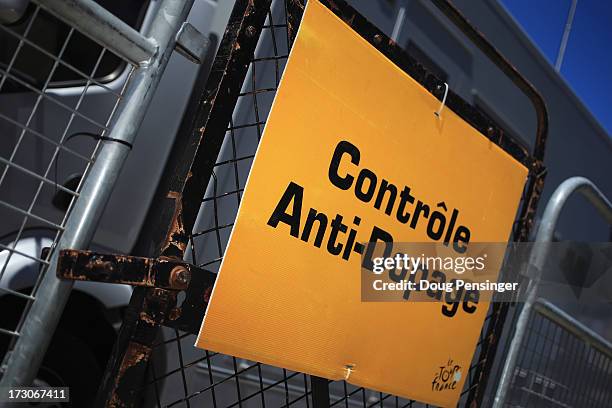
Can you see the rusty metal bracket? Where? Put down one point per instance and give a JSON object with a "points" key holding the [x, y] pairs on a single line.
{"points": [[161, 273], [164, 273]]}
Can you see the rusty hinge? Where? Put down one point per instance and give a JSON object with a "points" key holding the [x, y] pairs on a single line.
{"points": [[162, 273]]}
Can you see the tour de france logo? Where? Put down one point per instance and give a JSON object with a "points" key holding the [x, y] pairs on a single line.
{"points": [[447, 377]]}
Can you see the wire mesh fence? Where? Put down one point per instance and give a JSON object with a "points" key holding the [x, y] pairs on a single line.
{"points": [[50, 136], [558, 366]]}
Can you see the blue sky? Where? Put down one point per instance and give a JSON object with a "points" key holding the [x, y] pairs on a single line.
{"points": [[587, 65]]}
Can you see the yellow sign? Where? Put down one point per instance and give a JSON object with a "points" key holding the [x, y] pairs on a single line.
{"points": [[352, 153]]}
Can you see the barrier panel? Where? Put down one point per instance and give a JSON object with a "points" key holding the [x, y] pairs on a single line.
{"points": [[91, 75], [553, 359]]}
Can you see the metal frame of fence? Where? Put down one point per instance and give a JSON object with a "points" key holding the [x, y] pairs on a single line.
{"points": [[525, 327], [172, 294], [148, 54]]}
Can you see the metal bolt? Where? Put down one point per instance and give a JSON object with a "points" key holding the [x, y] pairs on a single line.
{"points": [[179, 277], [377, 39]]}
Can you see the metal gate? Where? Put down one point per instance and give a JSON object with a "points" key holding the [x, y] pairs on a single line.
{"points": [[188, 225], [87, 137], [553, 360]]}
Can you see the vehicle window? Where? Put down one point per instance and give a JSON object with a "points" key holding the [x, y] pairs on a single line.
{"points": [[47, 38]]}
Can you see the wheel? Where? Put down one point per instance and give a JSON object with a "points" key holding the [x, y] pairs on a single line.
{"points": [[70, 362]]}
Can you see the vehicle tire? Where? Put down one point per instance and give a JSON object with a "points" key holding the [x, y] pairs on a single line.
{"points": [[70, 362]]}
